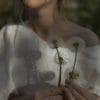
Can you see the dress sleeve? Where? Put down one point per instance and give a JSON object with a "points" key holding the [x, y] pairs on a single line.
{"points": [[6, 84], [90, 64], [19, 51], [4, 74]]}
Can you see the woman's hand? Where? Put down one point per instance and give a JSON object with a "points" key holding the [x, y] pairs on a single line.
{"points": [[52, 94], [70, 92], [75, 92]]}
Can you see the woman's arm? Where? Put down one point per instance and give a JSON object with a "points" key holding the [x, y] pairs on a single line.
{"points": [[7, 61], [4, 66]]}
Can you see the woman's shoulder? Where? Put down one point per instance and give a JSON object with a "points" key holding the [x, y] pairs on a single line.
{"points": [[15, 27], [13, 30], [17, 35], [20, 38], [86, 34]]}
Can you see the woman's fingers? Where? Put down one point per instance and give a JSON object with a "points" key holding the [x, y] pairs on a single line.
{"points": [[37, 96], [82, 91], [58, 97], [68, 95], [75, 93], [53, 92], [47, 93]]}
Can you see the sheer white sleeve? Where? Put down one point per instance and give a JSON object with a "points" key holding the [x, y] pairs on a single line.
{"points": [[90, 67], [87, 64], [4, 66], [6, 82]]}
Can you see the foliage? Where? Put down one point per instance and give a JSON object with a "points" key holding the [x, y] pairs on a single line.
{"points": [[86, 13]]}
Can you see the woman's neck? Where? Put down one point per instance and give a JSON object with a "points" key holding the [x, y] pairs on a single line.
{"points": [[48, 17]]}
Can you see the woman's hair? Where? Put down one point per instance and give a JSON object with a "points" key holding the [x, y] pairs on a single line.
{"points": [[59, 4]]}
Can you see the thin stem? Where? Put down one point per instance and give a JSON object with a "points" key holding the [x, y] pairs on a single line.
{"points": [[76, 49], [72, 74], [60, 62], [60, 67]]}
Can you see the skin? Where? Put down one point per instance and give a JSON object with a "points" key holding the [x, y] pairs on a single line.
{"points": [[36, 3], [50, 26], [69, 92]]}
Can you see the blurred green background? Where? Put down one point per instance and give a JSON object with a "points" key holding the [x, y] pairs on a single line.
{"points": [[83, 12]]}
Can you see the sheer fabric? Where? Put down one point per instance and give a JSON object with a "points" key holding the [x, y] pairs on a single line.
{"points": [[27, 59]]}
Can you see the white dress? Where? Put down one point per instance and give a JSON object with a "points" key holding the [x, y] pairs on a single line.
{"points": [[26, 59]]}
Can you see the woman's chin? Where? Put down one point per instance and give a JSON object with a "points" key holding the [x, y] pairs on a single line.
{"points": [[34, 3]]}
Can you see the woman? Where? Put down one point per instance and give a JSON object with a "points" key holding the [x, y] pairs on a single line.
{"points": [[27, 56]]}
